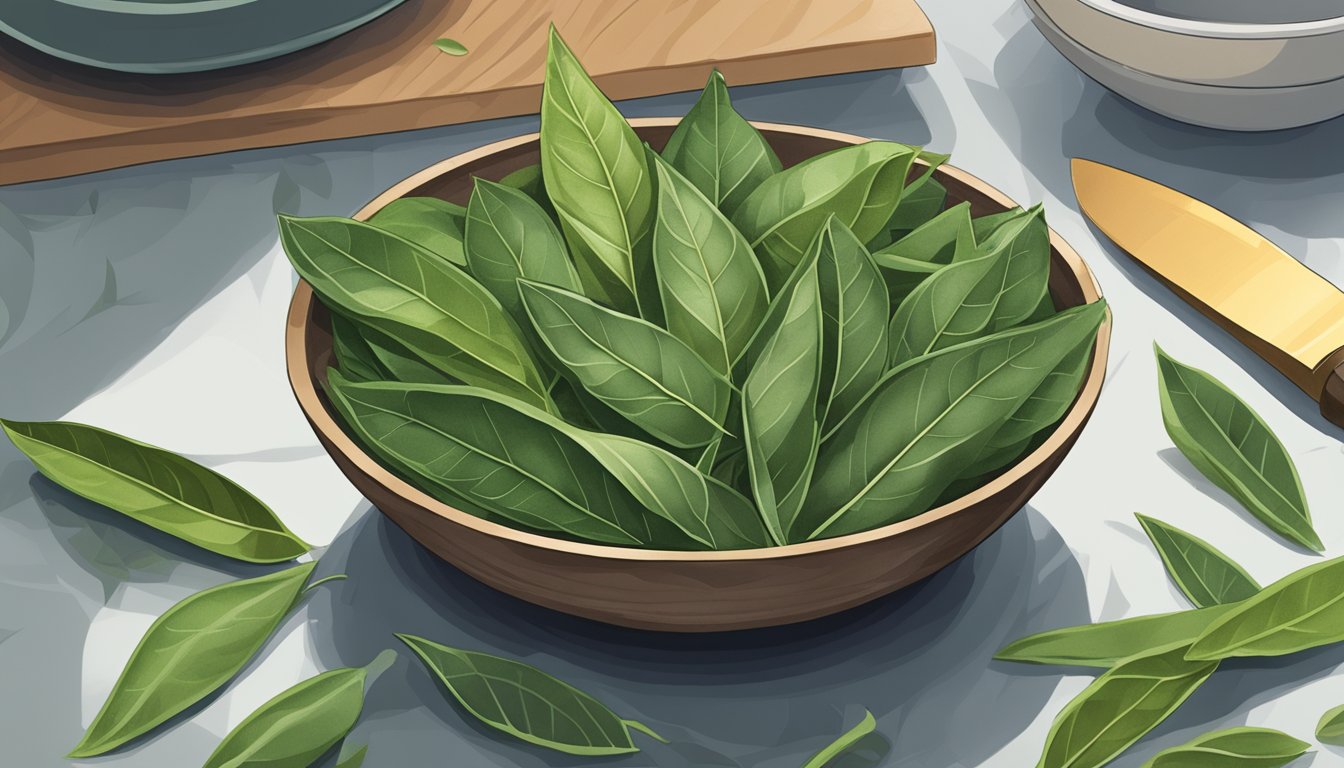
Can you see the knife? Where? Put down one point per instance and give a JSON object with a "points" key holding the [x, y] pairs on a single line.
{"points": [[1289, 315]]}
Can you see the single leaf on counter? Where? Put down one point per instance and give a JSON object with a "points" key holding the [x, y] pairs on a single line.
{"points": [[355, 759], [514, 461], [1205, 575], [703, 508], [598, 178], [640, 370], [977, 297], [298, 725], [190, 651], [1242, 747], [158, 488], [855, 309], [938, 241], [526, 703], [713, 292], [848, 739], [509, 236], [860, 185], [1105, 643], [719, 152], [1121, 706], [436, 225], [779, 406], [927, 420], [1330, 730], [1303, 610], [430, 306], [450, 46], [354, 357], [1234, 448]]}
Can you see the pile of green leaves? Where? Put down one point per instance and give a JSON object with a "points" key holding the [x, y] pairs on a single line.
{"points": [[1152, 664], [693, 349]]}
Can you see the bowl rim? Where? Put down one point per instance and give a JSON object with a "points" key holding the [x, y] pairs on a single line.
{"points": [[322, 420], [1230, 30]]}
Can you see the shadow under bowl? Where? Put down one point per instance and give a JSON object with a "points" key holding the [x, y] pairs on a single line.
{"points": [[689, 591]]}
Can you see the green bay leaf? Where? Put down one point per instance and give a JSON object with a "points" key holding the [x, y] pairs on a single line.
{"points": [[703, 508], [860, 185], [713, 291], [1234, 448], [939, 240], [1122, 705], [1051, 399], [976, 297], [927, 420], [190, 651], [503, 456], [428, 305], [846, 740], [1105, 643], [436, 225], [355, 757], [598, 179], [921, 200], [641, 371], [528, 181], [354, 357], [298, 725], [1303, 610], [985, 226], [158, 488], [855, 309], [509, 236], [526, 703], [779, 407], [400, 363], [1243, 747], [1330, 730], [1205, 575], [718, 151]]}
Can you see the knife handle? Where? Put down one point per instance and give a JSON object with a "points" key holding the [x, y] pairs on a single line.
{"points": [[1332, 395]]}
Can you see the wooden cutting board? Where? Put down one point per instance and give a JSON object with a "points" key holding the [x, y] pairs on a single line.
{"points": [[59, 119]]}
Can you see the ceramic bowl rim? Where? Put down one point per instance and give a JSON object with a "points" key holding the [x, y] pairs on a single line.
{"points": [[1217, 29], [323, 421]]}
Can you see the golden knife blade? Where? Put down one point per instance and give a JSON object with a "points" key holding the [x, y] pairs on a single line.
{"points": [[1289, 315]]}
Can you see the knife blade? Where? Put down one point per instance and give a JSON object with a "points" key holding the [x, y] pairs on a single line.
{"points": [[1288, 314]]}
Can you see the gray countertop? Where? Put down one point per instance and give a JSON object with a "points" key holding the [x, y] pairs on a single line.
{"points": [[151, 301]]}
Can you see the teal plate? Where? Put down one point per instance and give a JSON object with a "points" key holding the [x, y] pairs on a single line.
{"points": [[168, 36]]}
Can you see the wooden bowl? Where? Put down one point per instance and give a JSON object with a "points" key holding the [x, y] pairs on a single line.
{"points": [[689, 591]]}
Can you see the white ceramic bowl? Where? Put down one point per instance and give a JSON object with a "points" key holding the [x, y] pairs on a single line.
{"points": [[1197, 50], [1227, 107]]}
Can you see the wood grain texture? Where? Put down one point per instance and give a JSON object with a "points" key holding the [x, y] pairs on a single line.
{"points": [[690, 591], [59, 119]]}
